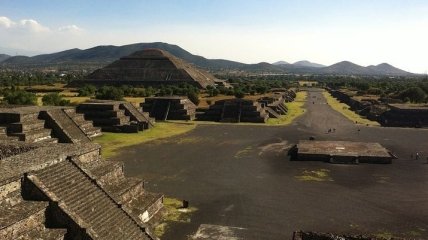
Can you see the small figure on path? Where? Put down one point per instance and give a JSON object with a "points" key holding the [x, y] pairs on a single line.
{"points": [[417, 155]]}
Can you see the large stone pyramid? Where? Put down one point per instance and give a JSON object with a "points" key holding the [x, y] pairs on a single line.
{"points": [[151, 67]]}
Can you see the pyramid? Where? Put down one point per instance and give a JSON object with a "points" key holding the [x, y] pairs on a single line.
{"points": [[151, 67]]}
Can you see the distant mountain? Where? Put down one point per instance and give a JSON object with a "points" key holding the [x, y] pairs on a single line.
{"points": [[3, 57], [346, 68], [103, 55], [100, 56], [387, 69], [280, 63], [305, 63]]}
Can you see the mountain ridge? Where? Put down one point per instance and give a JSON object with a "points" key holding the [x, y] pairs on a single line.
{"points": [[105, 54]]}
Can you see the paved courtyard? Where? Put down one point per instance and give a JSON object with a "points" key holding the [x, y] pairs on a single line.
{"points": [[241, 176]]}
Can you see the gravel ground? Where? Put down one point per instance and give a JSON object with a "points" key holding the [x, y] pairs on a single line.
{"points": [[240, 176]]}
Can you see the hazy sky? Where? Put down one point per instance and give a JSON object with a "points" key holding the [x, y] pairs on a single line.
{"points": [[324, 31]]}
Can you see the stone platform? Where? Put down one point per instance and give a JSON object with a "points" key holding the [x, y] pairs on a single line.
{"points": [[115, 116], [341, 152], [235, 110], [66, 191], [169, 108], [47, 124]]}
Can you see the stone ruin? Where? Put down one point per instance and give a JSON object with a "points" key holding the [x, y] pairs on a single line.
{"points": [[388, 112], [275, 103], [235, 110], [45, 124], [405, 115], [115, 116], [66, 191], [151, 67], [301, 235], [340, 152], [169, 108]]}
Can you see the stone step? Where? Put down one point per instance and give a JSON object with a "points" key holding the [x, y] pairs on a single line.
{"points": [[8, 138], [3, 130], [43, 233], [49, 140], [22, 127], [125, 189], [27, 214], [79, 195], [107, 171], [93, 132], [34, 135]]}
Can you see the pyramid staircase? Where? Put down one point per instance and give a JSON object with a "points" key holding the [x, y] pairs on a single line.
{"points": [[69, 192]]}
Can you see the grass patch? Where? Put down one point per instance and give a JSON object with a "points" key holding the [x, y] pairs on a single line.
{"points": [[173, 213], [111, 143], [345, 111], [295, 109], [77, 100], [321, 175], [135, 100]]}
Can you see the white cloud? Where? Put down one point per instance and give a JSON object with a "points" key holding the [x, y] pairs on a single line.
{"points": [[5, 22], [32, 25], [70, 28]]}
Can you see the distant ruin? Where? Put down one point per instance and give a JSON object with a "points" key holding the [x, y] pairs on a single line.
{"points": [[235, 110], [151, 67], [169, 108], [388, 112], [340, 152], [275, 104], [405, 115], [115, 116], [65, 191], [45, 124]]}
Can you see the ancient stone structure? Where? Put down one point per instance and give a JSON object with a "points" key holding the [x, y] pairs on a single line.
{"points": [[301, 235], [275, 103], [115, 116], [388, 112], [340, 152], [44, 124], [151, 67], [235, 110], [65, 191], [405, 115], [169, 108]]}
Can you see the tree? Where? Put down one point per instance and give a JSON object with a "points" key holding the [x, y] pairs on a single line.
{"points": [[414, 94], [54, 99], [20, 97], [110, 93], [193, 96], [87, 90], [239, 93]]}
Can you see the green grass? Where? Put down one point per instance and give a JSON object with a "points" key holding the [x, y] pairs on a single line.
{"points": [[111, 143], [295, 109], [173, 213], [345, 111]]}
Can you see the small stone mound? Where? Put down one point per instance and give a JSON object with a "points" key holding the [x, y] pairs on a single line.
{"points": [[170, 108], [235, 110]]}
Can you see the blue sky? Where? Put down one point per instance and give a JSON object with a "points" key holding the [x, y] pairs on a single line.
{"points": [[365, 32]]}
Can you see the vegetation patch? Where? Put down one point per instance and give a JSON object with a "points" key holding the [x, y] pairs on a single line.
{"points": [[111, 143], [345, 111], [173, 213], [321, 175], [295, 109]]}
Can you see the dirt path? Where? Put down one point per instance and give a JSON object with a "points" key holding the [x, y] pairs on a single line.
{"points": [[240, 176]]}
